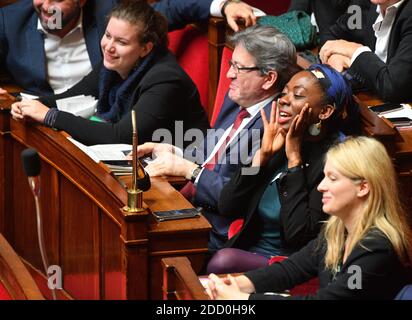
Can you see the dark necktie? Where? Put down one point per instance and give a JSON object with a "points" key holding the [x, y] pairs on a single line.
{"points": [[243, 113], [189, 190]]}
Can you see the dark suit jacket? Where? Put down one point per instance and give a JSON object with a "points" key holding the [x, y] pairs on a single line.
{"points": [[239, 153], [164, 95], [374, 262], [326, 11], [390, 80], [22, 45], [301, 206]]}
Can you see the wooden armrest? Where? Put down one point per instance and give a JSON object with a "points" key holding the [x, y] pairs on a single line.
{"points": [[180, 282], [14, 275]]}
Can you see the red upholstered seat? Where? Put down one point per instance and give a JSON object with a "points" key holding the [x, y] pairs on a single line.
{"points": [[307, 288], [223, 84], [190, 46], [4, 294]]}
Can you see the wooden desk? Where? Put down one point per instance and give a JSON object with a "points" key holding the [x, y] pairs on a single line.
{"points": [[398, 143], [104, 252]]}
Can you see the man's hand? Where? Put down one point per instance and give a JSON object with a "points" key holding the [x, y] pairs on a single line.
{"points": [[29, 109], [152, 148], [342, 47], [339, 62], [169, 164], [236, 10]]}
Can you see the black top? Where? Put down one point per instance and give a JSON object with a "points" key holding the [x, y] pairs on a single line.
{"points": [[371, 271], [301, 205], [164, 95]]}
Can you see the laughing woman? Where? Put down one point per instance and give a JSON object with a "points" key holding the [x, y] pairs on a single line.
{"points": [[279, 204], [364, 250], [138, 73]]}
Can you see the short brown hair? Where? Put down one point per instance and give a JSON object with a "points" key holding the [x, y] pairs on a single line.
{"points": [[152, 23]]}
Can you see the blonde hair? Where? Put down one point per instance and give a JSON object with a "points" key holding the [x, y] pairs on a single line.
{"points": [[364, 158]]}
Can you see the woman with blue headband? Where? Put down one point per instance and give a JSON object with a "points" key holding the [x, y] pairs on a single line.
{"points": [[277, 199]]}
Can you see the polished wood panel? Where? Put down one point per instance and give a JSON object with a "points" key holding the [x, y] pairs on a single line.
{"points": [[14, 276], [104, 251], [180, 282], [79, 236]]}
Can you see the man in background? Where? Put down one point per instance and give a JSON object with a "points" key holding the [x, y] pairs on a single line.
{"points": [[47, 46]]}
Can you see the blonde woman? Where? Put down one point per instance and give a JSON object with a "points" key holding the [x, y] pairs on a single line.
{"points": [[362, 252]]}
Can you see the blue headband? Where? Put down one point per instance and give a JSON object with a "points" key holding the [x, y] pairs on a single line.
{"points": [[338, 91]]}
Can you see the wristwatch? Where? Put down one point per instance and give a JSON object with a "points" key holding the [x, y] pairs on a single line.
{"points": [[195, 173]]}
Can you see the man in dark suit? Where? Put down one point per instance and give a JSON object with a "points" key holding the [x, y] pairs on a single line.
{"points": [[44, 58], [262, 62], [377, 55]]}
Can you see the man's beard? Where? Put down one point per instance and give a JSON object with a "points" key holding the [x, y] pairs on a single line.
{"points": [[50, 24]]}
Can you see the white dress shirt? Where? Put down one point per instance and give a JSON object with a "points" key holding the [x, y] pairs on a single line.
{"points": [[253, 111], [382, 27], [67, 58]]}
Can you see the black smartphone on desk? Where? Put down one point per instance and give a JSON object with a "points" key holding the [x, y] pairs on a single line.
{"points": [[125, 163], [122, 163], [386, 107], [176, 214], [400, 121]]}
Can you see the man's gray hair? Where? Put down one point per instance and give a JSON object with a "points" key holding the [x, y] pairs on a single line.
{"points": [[271, 49]]}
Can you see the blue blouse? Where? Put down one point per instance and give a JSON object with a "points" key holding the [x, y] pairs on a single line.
{"points": [[269, 243]]}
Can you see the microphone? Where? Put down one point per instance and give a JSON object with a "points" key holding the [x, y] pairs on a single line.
{"points": [[31, 165], [143, 180]]}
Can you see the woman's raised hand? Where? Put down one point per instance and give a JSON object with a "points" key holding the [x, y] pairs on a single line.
{"points": [[294, 136], [273, 137]]}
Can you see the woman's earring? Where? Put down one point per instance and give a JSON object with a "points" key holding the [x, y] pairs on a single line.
{"points": [[315, 128]]}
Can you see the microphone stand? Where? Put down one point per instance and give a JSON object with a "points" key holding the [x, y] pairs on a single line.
{"points": [[31, 165], [35, 187]]}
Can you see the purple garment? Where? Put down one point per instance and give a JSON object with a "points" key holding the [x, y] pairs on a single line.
{"points": [[231, 260]]}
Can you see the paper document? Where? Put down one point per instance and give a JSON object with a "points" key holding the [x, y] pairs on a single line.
{"points": [[100, 152], [83, 106]]}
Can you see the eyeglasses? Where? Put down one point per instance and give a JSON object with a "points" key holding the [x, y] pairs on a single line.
{"points": [[237, 68]]}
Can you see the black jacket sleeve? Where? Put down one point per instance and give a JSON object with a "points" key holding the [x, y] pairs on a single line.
{"points": [[182, 12], [390, 80], [371, 271], [278, 277], [153, 112], [87, 86], [301, 212]]}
